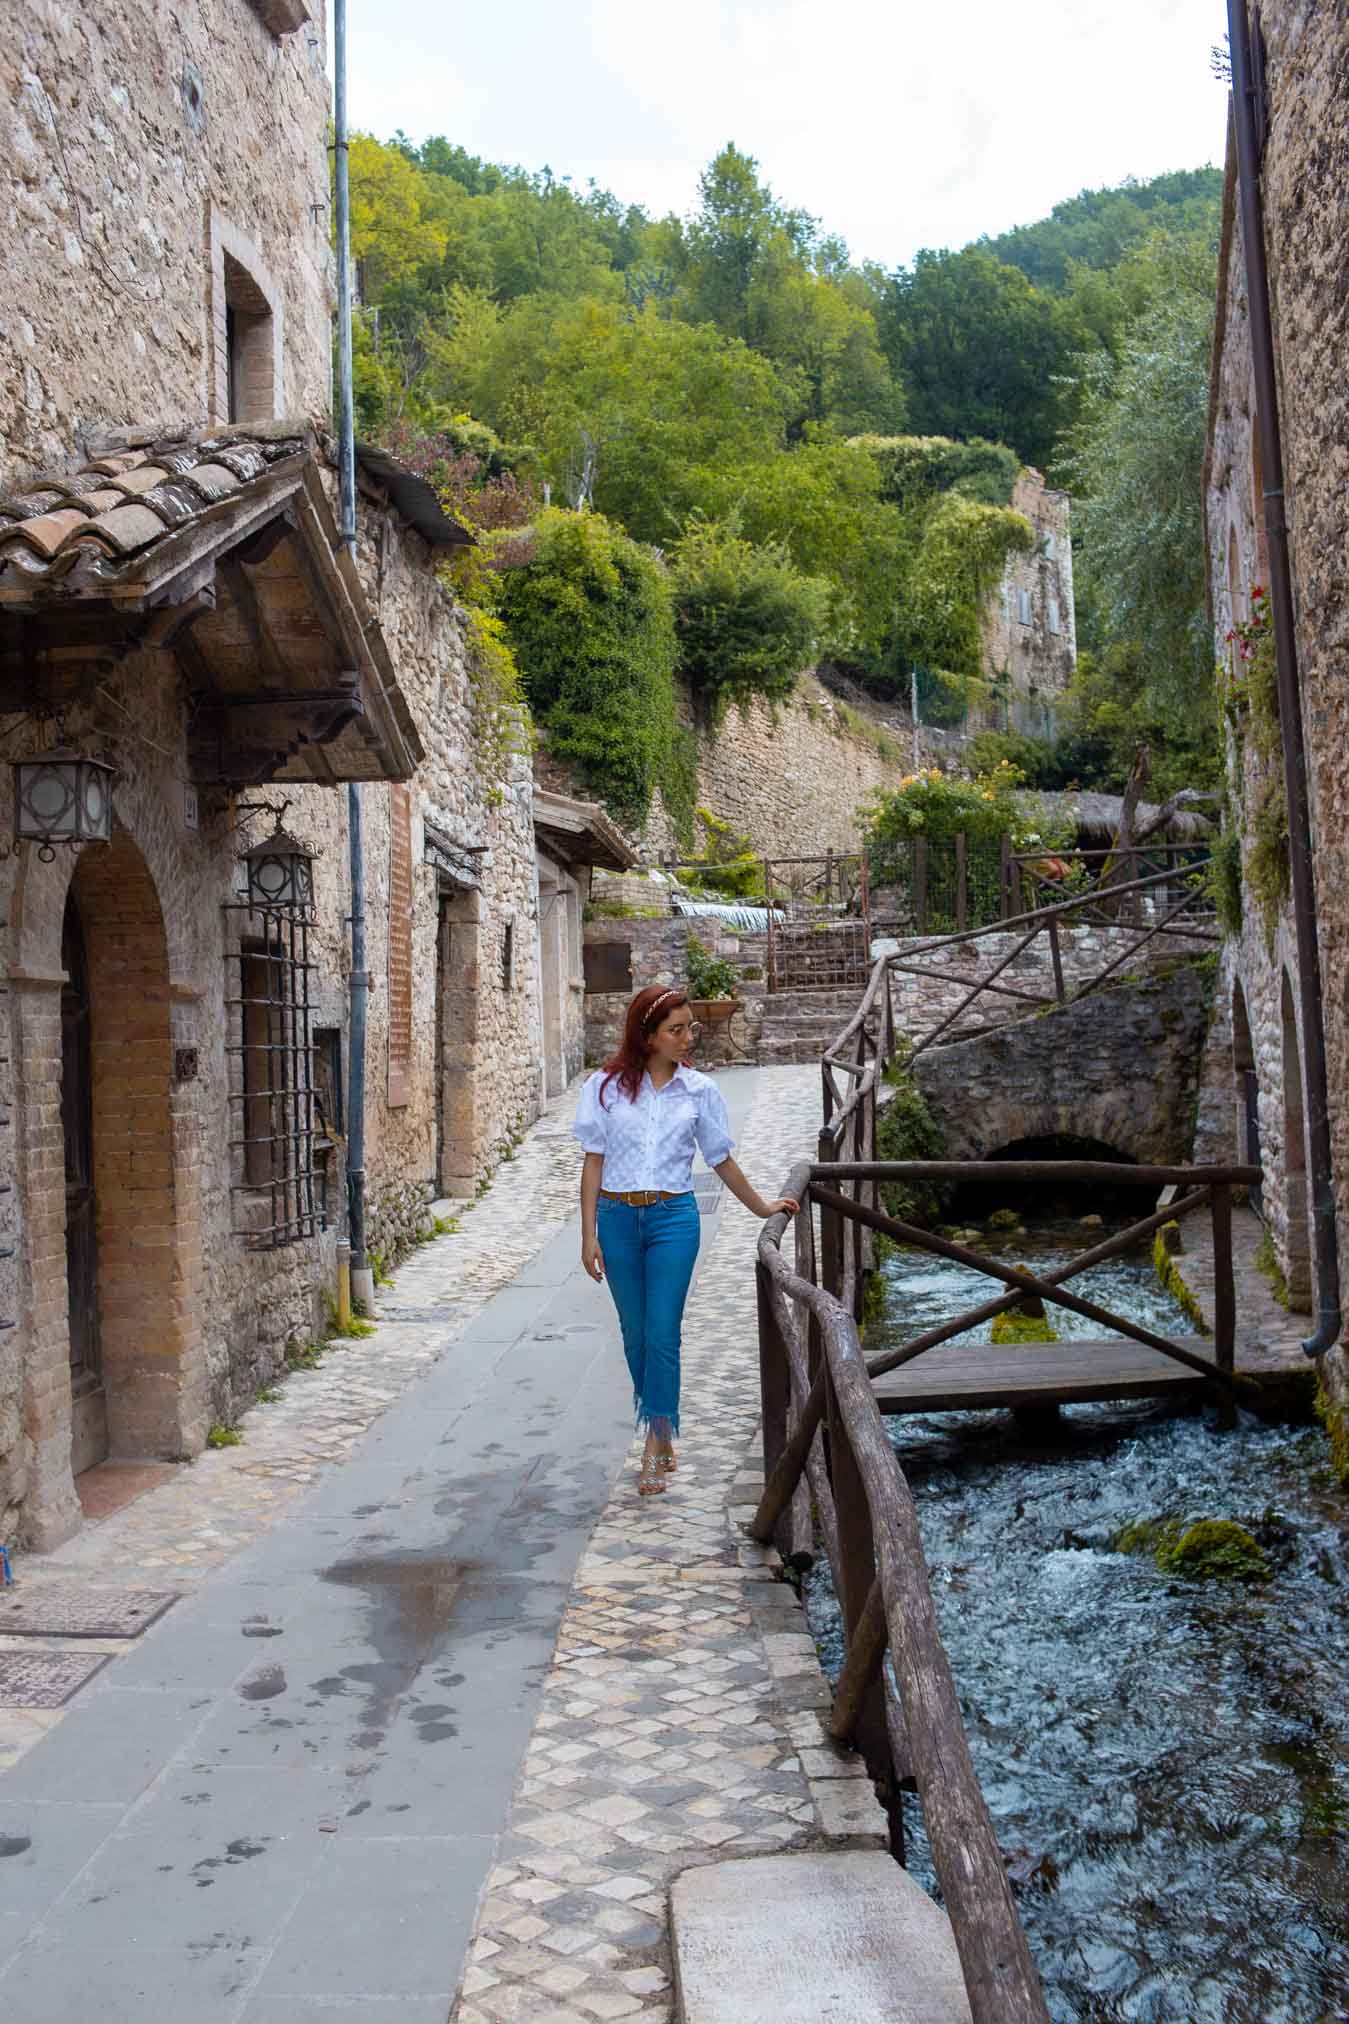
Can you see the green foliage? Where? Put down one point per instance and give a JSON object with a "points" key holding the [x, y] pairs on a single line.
{"points": [[729, 864], [1224, 882], [907, 1130], [1027, 756], [979, 349], [1135, 462], [591, 621], [219, 1436], [956, 560], [914, 470], [709, 976], [938, 806], [269, 1395], [1097, 228], [1249, 685], [746, 620]]}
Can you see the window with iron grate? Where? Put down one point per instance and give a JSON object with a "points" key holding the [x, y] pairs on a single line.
{"points": [[271, 1083]]}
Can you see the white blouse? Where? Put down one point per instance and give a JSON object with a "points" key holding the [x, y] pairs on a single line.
{"points": [[648, 1142]]}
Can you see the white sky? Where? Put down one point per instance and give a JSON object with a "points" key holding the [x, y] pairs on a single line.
{"points": [[898, 126]]}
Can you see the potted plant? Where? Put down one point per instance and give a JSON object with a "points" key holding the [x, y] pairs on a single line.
{"points": [[713, 991]]}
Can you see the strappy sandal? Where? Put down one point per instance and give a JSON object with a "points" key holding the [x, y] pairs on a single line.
{"points": [[666, 1459], [651, 1477]]}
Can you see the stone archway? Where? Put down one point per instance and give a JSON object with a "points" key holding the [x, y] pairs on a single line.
{"points": [[145, 1275]]}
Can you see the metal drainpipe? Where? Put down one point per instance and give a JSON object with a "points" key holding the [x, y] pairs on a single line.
{"points": [[1324, 1243], [362, 1279]]}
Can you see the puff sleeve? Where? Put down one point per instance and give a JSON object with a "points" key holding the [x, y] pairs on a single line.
{"points": [[712, 1126], [591, 1126]]}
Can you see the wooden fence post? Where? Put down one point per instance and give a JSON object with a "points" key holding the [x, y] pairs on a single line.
{"points": [[1224, 1292], [1057, 957], [920, 884], [831, 1230], [1005, 873], [772, 939], [774, 1375], [855, 1574], [962, 883]]}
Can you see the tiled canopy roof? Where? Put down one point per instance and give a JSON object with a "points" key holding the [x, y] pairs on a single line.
{"points": [[89, 524]]}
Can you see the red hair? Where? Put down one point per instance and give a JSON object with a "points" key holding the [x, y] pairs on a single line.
{"points": [[649, 1009]]}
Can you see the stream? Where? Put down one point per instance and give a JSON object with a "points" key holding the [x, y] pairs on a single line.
{"points": [[1166, 1761]]}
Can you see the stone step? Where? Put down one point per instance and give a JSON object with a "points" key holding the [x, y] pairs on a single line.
{"points": [[841, 1935]]}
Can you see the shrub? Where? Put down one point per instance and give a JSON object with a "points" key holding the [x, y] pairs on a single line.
{"points": [[591, 621], [907, 1130], [746, 619], [709, 976]]}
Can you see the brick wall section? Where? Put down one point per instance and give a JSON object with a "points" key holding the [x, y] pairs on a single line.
{"points": [[137, 144], [400, 944]]}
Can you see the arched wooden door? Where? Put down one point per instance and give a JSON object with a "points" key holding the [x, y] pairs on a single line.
{"points": [[88, 1403]]}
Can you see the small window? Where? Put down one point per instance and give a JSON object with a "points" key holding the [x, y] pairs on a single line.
{"points": [[272, 1080], [1023, 607], [1054, 615], [508, 956], [250, 368]]}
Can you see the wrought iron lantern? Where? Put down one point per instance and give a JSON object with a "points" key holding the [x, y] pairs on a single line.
{"points": [[62, 796], [280, 872]]}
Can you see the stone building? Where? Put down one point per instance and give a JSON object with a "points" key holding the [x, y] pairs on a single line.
{"points": [[1030, 629], [1303, 113], [175, 604]]}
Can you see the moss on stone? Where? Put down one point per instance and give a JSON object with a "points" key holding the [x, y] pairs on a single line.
{"points": [[1267, 1261], [1173, 1280], [1003, 1219], [1015, 1327], [1212, 1549], [1335, 1419]]}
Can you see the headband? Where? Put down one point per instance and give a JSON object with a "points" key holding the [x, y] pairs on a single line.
{"points": [[653, 1009]]}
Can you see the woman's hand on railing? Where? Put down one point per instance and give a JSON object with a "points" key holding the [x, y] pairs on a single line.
{"points": [[787, 1204]]}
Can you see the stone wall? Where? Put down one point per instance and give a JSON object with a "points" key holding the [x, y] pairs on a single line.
{"points": [[154, 160], [1307, 74], [1120, 1067], [1030, 629]]}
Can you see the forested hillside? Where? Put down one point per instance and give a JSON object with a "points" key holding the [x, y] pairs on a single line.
{"points": [[735, 391]]}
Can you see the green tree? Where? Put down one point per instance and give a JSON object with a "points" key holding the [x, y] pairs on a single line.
{"points": [[1135, 461], [978, 349], [747, 620], [1097, 228], [591, 625]]}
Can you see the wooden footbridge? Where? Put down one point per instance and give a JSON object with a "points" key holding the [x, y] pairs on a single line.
{"points": [[829, 1463]]}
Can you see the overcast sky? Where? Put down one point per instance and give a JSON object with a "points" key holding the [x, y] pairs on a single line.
{"points": [[898, 126]]}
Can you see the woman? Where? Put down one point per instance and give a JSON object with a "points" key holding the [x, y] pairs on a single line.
{"points": [[639, 1119]]}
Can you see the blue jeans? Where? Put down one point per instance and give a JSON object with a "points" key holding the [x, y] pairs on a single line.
{"points": [[649, 1255]]}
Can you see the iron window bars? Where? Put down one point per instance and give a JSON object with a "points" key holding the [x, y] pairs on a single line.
{"points": [[276, 1184]]}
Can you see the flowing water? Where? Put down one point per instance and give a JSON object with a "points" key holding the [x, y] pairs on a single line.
{"points": [[1166, 1762]]}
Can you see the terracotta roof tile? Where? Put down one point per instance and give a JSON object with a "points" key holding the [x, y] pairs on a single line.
{"points": [[122, 502]]}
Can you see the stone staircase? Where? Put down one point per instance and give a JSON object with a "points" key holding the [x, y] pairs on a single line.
{"points": [[799, 1025]]}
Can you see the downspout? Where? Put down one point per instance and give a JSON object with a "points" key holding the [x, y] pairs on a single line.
{"points": [[1324, 1245], [362, 1279]]}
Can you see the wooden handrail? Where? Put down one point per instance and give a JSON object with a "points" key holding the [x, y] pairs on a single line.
{"points": [[1000, 1977]]}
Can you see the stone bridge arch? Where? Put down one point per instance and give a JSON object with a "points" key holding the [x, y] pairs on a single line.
{"points": [[1119, 1068]]}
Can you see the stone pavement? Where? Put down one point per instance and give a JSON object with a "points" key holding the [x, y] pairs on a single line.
{"points": [[201, 1515], [283, 1802]]}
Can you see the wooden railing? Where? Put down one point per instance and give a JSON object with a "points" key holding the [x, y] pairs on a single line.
{"points": [[907, 1722], [864, 1047], [816, 1381]]}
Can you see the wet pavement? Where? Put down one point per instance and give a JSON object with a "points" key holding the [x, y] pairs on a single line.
{"points": [[286, 1798]]}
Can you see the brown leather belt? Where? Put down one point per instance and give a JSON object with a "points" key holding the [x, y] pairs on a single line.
{"points": [[639, 1198]]}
